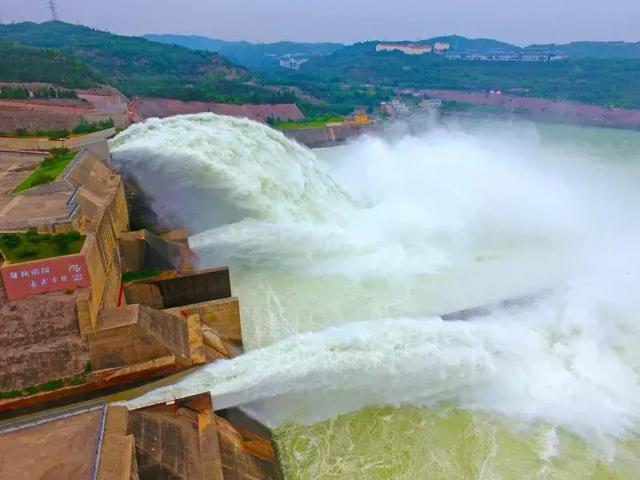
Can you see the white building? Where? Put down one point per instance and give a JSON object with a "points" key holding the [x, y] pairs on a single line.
{"points": [[441, 47], [431, 103], [407, 49], [292, 63]]}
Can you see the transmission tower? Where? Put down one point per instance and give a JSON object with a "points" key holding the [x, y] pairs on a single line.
{"points": [[53, 8]]}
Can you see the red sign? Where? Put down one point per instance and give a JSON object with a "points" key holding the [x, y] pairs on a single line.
{"points": [[42, 276]]}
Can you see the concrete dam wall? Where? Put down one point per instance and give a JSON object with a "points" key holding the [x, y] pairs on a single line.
{"points": [[325, 136], [191, 289]]}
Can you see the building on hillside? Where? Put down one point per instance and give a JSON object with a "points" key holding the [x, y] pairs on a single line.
{"points": [[401, 107], [407, 49], [441, 47], [395, 108], [533, 54], [361, 117], [506, 57], [453, 55], [358, 118], [182, 439], [291, 62], [431, 103], [386, 109], [477, 57]]}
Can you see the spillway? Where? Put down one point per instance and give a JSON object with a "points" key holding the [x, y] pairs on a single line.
{"points": [[344, 260]]}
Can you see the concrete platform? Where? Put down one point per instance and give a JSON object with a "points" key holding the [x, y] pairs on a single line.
{"points": [[58, 447]]}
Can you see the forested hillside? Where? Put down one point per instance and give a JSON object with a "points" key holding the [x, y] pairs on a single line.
{"points": [[19, 63], [251, 55], [353, 76], [610, 82], [458, 43], [141, 67], [596, 49]]}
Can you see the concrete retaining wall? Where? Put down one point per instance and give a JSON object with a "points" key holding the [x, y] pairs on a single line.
{"points": [[168, 446], [122, 346], [138, 334], [145, 251], [56, 114], [118, 453], [21, 157], [324, 137], [103, 260], [39, 340], [183, 290], [185, 440], [221, 315]]}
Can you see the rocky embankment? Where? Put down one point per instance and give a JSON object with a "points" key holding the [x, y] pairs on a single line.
{"points": [[542, 109]]}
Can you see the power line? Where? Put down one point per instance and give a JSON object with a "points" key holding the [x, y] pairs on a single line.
{"points": [[53, 8]]}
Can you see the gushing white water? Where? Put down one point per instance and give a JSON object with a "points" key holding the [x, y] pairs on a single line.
{"points": [[197, 166], [342, 275]]}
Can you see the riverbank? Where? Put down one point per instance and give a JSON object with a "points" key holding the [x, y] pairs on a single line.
{"points": [[327, 136], [534, 108]]}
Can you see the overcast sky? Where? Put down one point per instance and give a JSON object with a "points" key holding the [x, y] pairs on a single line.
{"points": [[516, 21]]}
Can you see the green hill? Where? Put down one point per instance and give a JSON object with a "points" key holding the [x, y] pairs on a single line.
{"points": [[600, 81], [19, 63], [251, 55], [609, 50], [140, 67], [596, 49], [473, 44]]}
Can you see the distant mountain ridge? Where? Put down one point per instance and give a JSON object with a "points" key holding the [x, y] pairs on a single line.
{"points": [[252, 55], [574, 49], [602, 81], [458, 42], [595, 49], [256, 54], [116, 54]]}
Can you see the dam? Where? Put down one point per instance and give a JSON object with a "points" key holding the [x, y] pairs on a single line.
{"points": [[90, 308], [345, 260], [360, 272]]}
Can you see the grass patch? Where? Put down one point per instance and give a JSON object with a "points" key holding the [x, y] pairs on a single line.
{"points": [[84, 126], [49, 386], [318, 122], [50, 134], [141, 275], [48, 170], [31, 245], [11, 394]]}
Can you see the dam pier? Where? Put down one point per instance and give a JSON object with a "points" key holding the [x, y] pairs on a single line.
{"points": [[90, 308]]}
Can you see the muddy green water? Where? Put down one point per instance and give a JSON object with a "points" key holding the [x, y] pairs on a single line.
{"points": [[447, 443]]}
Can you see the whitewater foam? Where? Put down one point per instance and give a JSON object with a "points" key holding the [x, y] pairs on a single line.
{"points": [[340, 274], [521, 364], [193, 166]]}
